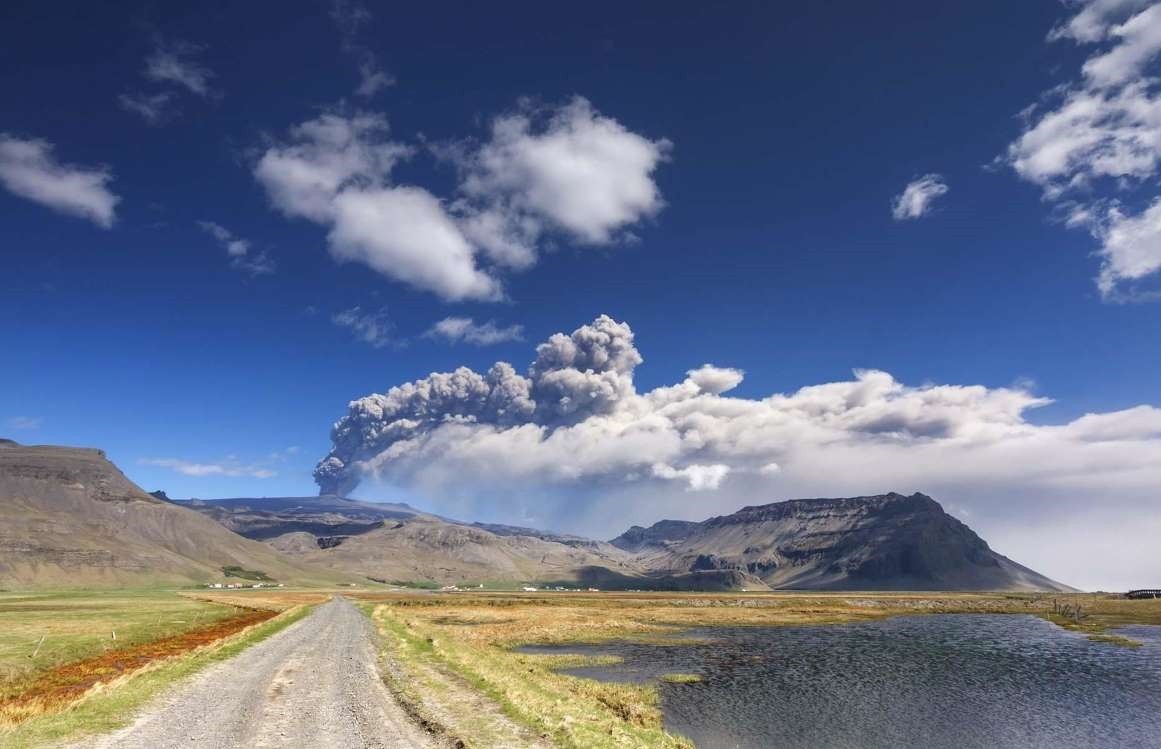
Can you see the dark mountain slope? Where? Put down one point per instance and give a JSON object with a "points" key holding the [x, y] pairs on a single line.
{"points": [[884, 542]]}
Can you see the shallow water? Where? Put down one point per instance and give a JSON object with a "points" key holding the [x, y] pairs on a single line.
{"points": [[959, 681]]}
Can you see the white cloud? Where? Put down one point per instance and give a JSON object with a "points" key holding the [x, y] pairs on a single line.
{"points": [[1138, 40], [1092, 21], [28, 168], [715, 380], [575, 170], [349, 17], [172, 66], [1091, 135], [153, 108], [1102, 132], [456, 329], [404, 232], [173, 63], [230, 468], [326, 156], [917, 197], [1130, 247], [576, 434], [336, 172], [239, 251], [372, 328], [699, 477], [580, 174], [23, 423]]}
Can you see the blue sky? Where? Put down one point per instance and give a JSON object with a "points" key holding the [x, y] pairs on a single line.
{"points": [[758, 151]]}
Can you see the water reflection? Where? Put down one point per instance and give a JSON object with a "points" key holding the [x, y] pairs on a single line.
{"points": [[958, 681]]}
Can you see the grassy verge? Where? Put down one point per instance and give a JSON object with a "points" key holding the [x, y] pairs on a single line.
{"points": [[569, 711], [111, 706], [1098, 614], [45, 630]]}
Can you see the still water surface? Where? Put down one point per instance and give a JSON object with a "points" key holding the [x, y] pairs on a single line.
{"points": [[961, 681]]}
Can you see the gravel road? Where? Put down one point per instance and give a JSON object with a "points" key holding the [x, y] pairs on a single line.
{"points": [[314, 684]]}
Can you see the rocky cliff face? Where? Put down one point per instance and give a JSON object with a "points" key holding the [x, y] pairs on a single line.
{"points": [[883, 542]]}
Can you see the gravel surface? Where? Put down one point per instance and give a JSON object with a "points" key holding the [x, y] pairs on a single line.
{"points": [[314, 684]]}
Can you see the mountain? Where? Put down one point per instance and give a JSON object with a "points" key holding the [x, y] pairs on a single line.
{"points": [[886, 542], [396, 542], [883, 542], [68, 516], [325, 515]]}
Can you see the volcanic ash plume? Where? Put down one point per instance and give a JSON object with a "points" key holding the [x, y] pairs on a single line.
{"points": [[574, 377]]}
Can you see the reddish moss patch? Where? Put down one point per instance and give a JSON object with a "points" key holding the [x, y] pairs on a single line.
{"points": [[67, 683]]}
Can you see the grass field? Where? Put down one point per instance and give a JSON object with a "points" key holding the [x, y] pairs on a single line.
{"points": [[433, 638], [448, 656], [62, 670], [42, 631]]}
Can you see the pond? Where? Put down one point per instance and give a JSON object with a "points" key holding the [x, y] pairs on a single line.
{"points": [[959, 681]]}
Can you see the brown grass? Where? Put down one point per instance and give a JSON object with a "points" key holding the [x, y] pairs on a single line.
{"points": [[275, 600]]}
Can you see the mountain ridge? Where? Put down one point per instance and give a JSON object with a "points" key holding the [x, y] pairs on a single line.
{"points": [[69, 516], [889, 541]]}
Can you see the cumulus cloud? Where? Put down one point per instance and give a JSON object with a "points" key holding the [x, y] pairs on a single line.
{"points": [[1130, 246], [230, 468], [335, 171], [406, 233], [456, 329], [29, 168], [917, 197], [373, 328], [700, 477], [571, 172], [1094, 145], [596, 453], [571, 169], [239, 251]]}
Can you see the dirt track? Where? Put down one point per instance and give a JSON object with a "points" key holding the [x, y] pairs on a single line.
{"points": [[312, 685]]}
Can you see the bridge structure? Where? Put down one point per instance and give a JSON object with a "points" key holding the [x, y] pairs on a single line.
{"points": [[1144, 593]]}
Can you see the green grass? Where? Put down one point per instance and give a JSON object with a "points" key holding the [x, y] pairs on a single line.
{"points": [[681, 678], [40, 631], [1125, 642], [113, 708], [416, 584], [234, 570]]}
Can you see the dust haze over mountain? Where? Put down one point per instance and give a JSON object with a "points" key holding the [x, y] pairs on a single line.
{"points": [[573, 445]]}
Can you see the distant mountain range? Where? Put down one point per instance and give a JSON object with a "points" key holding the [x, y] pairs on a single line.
{"points": [[883, 542], [69, 514]]}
